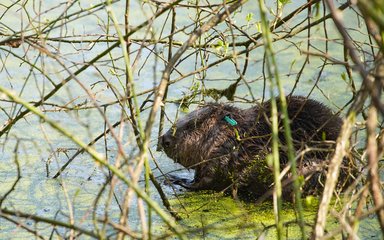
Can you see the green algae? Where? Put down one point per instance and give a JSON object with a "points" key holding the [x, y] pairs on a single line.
{"points": [[210, 215]]}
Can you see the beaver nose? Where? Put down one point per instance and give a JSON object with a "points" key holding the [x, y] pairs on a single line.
{"points": [[166, 140]]}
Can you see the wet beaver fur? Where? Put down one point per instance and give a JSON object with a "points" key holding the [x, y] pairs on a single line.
{"points": [[233, 158]]}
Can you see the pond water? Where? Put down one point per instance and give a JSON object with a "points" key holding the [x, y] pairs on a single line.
{"points": [[41, 151]]}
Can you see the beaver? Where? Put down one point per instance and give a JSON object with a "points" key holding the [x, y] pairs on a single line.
{"points": [[228, 147]]}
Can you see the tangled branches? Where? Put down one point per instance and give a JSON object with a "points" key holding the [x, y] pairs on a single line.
{"points": [[82, 85]]}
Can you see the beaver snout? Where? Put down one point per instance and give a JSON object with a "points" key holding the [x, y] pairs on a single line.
{"points": [[166, 141]]}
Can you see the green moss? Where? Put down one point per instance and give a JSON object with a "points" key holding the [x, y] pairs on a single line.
{"points": [[214, 216]]}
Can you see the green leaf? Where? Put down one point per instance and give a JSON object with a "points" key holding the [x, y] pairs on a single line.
{"points": [[323, 136], [344, 76], [258, 27], [237, 135], [249, 17], [195, 87]]}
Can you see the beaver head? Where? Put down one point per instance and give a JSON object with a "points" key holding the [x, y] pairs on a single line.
{"points": [[201, 135]]}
